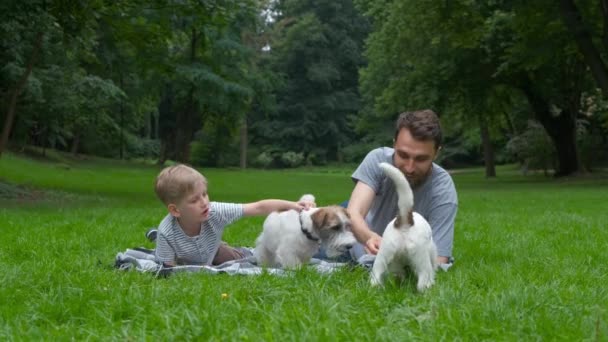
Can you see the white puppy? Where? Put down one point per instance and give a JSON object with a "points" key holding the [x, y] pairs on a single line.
{"points": [[291, 238], [407, 241]]}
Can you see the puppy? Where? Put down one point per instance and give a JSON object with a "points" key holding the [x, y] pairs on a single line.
{"points": [[291, 238], [407, 241]]}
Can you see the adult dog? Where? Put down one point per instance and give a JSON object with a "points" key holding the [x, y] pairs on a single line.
{"points": [[407, 241], [291, 238]]}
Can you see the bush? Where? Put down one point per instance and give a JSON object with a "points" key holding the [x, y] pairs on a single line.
{"points": [[292, 159], [141, 147], [263, 160], [216, 144], [533, 148], [592, 146], [355, 153], [317, 157]]}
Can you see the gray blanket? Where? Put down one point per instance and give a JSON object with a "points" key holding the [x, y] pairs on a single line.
{"points": [[143, 260]]}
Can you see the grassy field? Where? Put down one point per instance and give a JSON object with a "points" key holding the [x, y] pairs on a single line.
{"points": [[529, 263]]}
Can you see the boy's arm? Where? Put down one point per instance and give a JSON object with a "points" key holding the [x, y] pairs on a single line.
{"points": [[164, 252], [265, 207]]}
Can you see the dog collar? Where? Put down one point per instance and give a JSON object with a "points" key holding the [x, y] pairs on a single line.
{"points": [[306, 232]]}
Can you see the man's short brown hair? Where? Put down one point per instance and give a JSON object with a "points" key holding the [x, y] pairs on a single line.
{"points": [[174, 183], [422, 124]]}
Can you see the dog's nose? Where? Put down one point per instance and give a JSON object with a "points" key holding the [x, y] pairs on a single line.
{"points": [[349, 246]]}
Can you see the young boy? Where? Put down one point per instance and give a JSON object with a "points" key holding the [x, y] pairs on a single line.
{"points": [[192, 231]]}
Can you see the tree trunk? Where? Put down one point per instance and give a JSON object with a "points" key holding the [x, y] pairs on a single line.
{"points": [[184, 127], [243, 136], [122, 118], [162, 154], [582, 36], [488, 150], [604, 9], [16, 91], [510, 124], [75, 144], [561, 129]]}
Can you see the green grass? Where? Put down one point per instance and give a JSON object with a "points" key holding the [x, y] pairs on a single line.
{"points": [[530, 263]]}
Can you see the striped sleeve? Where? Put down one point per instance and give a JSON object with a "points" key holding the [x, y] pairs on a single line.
{"points": [[223, 214], [164, 251]]}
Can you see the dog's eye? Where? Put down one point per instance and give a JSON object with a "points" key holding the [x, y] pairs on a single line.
{"points": [[336, 227]]}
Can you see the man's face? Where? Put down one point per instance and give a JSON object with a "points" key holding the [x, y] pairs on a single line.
{"points": [[414, 157]]}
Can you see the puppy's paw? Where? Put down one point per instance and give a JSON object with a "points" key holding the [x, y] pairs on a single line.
{"points": [[424, 284], [375, 281]]}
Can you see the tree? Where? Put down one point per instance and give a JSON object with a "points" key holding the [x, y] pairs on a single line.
{"points": [[316, 51], [205, 75], [29, 22], [434, 50], [583, 36]]}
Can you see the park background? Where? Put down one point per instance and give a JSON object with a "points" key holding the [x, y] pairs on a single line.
{"points": [[279, 98]]}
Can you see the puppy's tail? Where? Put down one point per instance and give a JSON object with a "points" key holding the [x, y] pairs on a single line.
{"points": [[404, 193], [307, 198]]}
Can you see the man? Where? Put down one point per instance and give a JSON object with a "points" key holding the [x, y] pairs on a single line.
{"points": [[373, 202]]}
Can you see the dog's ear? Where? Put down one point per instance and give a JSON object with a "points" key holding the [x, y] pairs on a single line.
{"points": [[319, 217]]}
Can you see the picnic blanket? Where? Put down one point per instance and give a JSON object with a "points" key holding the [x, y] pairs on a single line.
{"points": [[142, 260]]}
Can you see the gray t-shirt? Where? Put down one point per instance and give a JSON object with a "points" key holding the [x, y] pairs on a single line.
{"points": [[173, 245], [435, 199]]}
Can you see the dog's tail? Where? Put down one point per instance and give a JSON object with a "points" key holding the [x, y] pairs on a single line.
{"points": [[307, 198], [404, 193]]}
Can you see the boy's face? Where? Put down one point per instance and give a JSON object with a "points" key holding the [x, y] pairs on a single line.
{"points": [[194, 208]]}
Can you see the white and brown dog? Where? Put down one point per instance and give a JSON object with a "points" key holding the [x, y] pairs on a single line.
{"points": [[407, 242], [291, 238]]}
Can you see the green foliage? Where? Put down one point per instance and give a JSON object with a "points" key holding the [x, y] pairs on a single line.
{"points": [[533, 148], [592, 145], [594, 106], [136, 147], [123, 78], [469, 60], [103, 65], [216, 144], [355, 152], [292, 159], [263, 160], [276, 158], [316, 50]]}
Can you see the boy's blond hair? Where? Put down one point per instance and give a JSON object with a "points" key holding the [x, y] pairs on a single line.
{"points": [[174, 183]]}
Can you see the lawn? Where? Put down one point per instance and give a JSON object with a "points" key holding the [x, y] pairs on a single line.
{"points": [[529, 263]]}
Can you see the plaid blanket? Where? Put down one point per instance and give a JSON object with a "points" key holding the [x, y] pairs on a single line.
{"points": [[142, 260]]}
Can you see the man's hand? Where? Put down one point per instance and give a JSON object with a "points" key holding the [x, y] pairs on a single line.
{"points": [[443, 260], [372, 245]]}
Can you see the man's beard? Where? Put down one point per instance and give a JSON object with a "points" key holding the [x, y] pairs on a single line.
{"points": [[418, 181]]}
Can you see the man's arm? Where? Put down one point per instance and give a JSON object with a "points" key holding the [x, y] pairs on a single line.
{"points": [[358, 206], [442, 220]]}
